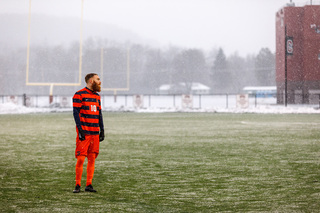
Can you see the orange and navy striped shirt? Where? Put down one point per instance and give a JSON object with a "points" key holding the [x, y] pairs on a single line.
{"points": [[87, 111]]}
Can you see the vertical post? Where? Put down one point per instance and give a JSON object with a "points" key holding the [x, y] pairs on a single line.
{"points": [[24, 99], [255, 99], [51, 94], [174, 100], [200, 101], [80, 43], [28, 44], [115, 96], [285, 71], [101, 65], [227, 99]]}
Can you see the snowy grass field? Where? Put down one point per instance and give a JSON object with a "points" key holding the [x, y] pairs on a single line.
{"points": [[164, 162]]}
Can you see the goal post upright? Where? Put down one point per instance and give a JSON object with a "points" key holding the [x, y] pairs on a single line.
{"points": [[52, 84], [115, 90], [80, 43], [28, 44]]}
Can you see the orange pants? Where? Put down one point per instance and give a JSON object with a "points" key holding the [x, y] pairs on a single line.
{"points": [[87, 148], [90, 168]]}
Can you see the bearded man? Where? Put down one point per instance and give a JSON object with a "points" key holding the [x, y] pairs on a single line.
{"points": [[90, 130]]}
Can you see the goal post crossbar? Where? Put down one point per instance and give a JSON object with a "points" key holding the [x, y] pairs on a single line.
{"points": [[51, 84], [127, 88]]}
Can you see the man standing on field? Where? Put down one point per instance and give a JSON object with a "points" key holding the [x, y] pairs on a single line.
{"points": [[90, 129]]}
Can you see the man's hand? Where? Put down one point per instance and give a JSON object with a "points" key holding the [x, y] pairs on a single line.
{"points": [[101, 136], [81, 134]]}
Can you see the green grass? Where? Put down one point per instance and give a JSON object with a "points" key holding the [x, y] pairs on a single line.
{"points": [[166, 162]]}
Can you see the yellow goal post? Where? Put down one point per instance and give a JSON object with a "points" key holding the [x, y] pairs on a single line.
{"points": [[51, 84]]}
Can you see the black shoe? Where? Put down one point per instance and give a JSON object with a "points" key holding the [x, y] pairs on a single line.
{"points": [[89, 188], [77, 189]]}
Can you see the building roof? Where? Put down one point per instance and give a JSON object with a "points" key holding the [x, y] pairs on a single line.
{"points": [[260, 88], [194, 86]]}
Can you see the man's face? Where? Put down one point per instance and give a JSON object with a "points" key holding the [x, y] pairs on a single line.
{"points": [[96, 84]]}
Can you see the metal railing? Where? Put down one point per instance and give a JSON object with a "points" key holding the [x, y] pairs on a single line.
{"points": [[142, 101], [210, 101]]}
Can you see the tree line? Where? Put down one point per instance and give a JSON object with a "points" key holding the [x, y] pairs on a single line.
{"points": [[149, 68]]}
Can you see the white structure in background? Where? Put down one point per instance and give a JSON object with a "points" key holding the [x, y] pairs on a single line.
{"points": [[138, 101], [187, 102], [261, 92], [64, 102], [181, 88], [13, 99], [243, 101]]}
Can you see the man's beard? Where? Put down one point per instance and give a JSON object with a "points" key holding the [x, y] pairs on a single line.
{"points": [[96, 87]]}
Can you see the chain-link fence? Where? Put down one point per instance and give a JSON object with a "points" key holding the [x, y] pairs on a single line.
{"points": [[147, 101], [162, 101]]}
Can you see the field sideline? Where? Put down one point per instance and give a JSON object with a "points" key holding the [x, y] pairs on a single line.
{"points": [[164, 162]]}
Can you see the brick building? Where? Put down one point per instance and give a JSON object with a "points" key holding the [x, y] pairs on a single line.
{"points": [[302, 25]]}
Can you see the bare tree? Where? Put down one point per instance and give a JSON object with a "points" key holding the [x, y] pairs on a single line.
{"points": [[189, 67]]}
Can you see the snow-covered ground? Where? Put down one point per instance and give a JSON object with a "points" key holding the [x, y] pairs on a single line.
{"points": [[157, 103], [11, 108]]}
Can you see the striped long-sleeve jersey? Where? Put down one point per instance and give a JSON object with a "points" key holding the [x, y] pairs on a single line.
{"points": [[87, 111]]}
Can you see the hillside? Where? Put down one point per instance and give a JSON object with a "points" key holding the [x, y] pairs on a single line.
{"points": [[51, 30]]}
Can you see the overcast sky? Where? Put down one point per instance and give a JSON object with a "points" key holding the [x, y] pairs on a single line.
{"points": [[244, 26]]}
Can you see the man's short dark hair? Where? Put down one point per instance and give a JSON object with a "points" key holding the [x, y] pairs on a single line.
{"points": [[88, 76]]}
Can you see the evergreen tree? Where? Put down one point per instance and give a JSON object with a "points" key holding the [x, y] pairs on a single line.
{"points": [[265, 68], [237, 69], [221, 76]]}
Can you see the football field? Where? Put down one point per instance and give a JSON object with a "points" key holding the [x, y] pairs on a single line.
{"points": [[164, 162]]}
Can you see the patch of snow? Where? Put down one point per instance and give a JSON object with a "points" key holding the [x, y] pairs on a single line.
{"points": [[11, 108]]}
